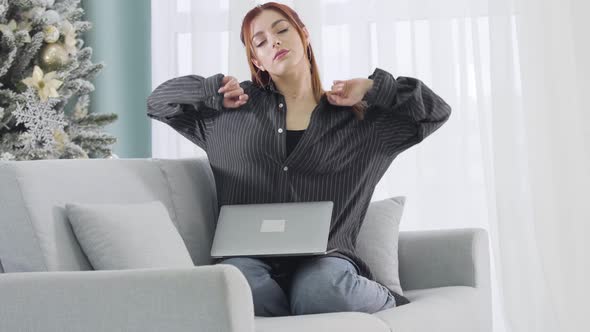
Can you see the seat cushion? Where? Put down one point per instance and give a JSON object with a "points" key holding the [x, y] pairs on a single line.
{"points": [[337, 321], [441, 309]]}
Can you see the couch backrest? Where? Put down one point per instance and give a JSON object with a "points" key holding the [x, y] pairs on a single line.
{"points": [[35, 234]]}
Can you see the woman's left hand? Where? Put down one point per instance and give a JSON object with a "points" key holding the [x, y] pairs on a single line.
{"points": [[349, 92]]}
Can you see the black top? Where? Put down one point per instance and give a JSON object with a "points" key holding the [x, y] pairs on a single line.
{"points": [[339, 158], [293, 137]]}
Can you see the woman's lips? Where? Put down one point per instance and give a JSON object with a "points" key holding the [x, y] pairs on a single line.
{"points": [[282, 55]]}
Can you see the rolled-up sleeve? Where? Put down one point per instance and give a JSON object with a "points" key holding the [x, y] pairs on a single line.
{"points": [[405, 111], [189, 104]]}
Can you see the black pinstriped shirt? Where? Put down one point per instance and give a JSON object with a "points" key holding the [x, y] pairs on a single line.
{"points": [[338, 158]]}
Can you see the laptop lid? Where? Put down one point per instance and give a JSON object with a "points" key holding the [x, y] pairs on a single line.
{"points": [[273, 229]]}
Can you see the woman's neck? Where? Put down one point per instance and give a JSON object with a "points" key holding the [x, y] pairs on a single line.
{"points": [[295, 85]]}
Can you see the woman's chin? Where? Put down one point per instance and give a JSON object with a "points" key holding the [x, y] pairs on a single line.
{"points": [[283, 68]]}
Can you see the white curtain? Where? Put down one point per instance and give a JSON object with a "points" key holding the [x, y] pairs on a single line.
{"points": [[514, 156]]}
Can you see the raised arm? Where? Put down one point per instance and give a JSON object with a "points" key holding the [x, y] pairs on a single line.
{"points": [[404, 110], [189, 104]]}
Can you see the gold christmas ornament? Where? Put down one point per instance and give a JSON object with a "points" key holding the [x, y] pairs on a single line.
{"points": [[54, 56], [51, 34]]}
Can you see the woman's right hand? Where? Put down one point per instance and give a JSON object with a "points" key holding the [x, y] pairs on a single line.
{"points": [[233, 94]]}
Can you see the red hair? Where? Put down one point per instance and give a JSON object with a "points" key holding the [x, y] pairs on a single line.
{"points": [[262, 78]]}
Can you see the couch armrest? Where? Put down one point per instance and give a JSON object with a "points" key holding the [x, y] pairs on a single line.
{"points": [[439, 258], [203, 298]]}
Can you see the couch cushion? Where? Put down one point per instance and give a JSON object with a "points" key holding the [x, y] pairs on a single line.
{"points": [[338, 321], [128, 236], [42, 239], [19, 248], [381, 226], [194, 198], [442, 309]]}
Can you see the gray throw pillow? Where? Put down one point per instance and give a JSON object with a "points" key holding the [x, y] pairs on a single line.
{"points": [[377, 242], [128, 236]]}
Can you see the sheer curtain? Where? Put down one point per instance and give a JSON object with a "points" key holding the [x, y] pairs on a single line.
{"points": [[514, 156]]}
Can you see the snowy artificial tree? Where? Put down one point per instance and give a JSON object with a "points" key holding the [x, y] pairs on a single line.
{"points": [[45, 81]]}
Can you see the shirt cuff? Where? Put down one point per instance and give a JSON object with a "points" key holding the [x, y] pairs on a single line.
{"points": [[383, 91], [213, 99]]}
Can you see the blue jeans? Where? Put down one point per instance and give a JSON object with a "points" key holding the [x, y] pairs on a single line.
{"points": [[303, 285]]}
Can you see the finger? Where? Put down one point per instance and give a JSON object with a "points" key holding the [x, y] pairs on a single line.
{"points": [[338, 90], [231, 83], [343, 89], [239, 103], [233, 93], [334, 99], [222, 88], [224, 82], [242, 99], [226, 87]]}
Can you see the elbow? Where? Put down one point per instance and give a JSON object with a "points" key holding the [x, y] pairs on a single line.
{"points": [[447, 110], [440, 110], [154, 107], [150, 106], [444, 113], [154, 103], [441, 114], [153, 97]]}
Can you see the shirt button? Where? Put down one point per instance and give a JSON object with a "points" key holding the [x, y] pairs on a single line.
{"points": [[280, 130], [285, 168], [281, 105]]}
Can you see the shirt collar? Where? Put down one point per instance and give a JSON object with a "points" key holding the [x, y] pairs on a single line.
{"points": [[272, 87]]}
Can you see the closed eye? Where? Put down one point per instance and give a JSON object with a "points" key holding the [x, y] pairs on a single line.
{"points": [[285, 30]]}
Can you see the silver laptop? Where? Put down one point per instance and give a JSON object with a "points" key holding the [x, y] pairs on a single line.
{"points": [[273, 229]]}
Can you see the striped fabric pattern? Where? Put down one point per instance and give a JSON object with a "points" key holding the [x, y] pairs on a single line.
{"points": [[338, 158]]}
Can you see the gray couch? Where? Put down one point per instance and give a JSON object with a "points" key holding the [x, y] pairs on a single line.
{"points": [[48, 284]]}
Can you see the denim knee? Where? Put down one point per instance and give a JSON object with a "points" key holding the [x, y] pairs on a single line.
{"points": [[323, 286], [269, 299], [253, 269]]}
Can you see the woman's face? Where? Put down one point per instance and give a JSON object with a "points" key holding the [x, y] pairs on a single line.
{"points": [[270, 33]]}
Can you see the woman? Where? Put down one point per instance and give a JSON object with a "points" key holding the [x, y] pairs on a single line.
{"points": [[281, 138]]}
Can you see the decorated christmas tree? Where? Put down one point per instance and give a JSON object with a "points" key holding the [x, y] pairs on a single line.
{"points": [[45, 81]]}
